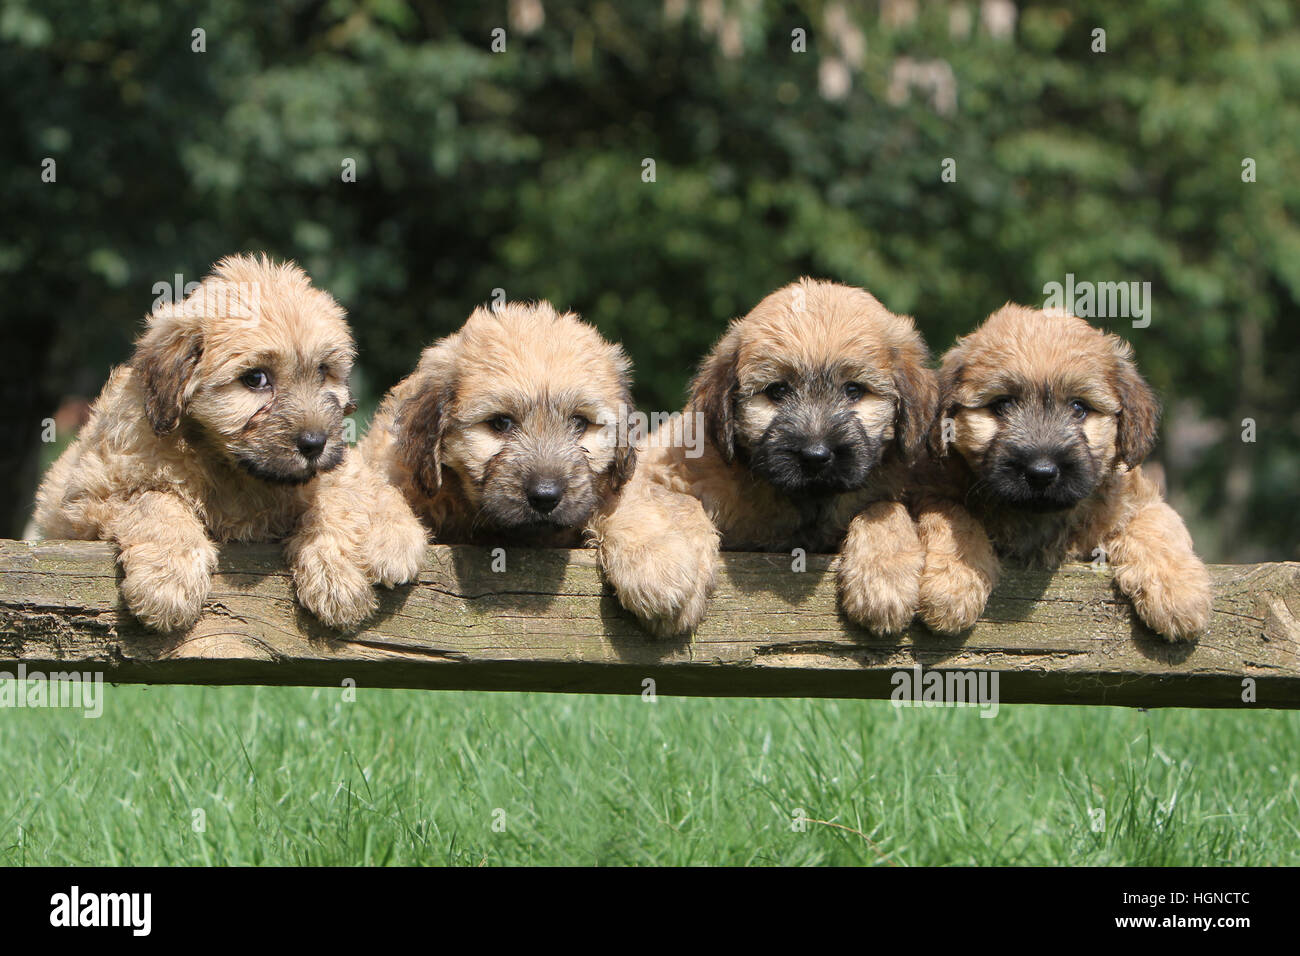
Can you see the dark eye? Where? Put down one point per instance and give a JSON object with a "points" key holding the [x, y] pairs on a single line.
{"points": [[501, 423], [1001, 405], [324, 371], [777, 391], [1079, 409], [257, 380], [853, 391], [579, 423]]}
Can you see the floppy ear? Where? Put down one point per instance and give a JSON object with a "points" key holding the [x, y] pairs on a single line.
{"points": [[165, 359], [713, 394], [625, 451], [1139, 414], [946, 385], [918, 400], [423, 418], [421, 424]]}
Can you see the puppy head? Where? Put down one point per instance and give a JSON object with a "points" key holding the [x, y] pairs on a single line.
{"points": [[815, 386], [1043, 408], [527, 407], [254, 365]]}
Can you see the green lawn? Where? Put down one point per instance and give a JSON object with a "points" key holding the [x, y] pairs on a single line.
{"points": [[410, 777]]}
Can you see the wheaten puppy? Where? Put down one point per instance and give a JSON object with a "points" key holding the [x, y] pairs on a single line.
{"points": [[1044, 421], [813, 404], [228, 426], [511, 430]]}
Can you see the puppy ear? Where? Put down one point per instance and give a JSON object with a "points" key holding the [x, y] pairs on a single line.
{"points": [[624, 464], [946, 386], [421, 425], [713, 394], [918, 399], [423, 418], [1139, 414], [165, 359]]}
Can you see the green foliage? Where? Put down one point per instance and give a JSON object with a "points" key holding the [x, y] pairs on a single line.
{"points": [[523, 171]]}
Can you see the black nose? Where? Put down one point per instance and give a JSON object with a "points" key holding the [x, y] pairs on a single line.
{"points": [[815, 455], [545, 493], [1041, 472], [311, 444]]}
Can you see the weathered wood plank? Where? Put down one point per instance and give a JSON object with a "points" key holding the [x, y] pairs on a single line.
{"points": [[549, 624]]}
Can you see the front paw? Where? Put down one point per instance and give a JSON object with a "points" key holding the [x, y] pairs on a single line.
{"points": [[395, 547], [952, 596], [881, 594], [1174, 602], [665, 584], [165, 589], [331, 586]]}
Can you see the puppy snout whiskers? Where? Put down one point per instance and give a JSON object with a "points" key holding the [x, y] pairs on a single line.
{"points": [[311, 444], [545, 493]]}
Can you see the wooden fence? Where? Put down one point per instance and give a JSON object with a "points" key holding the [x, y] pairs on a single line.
{"points": [[548, 623]]}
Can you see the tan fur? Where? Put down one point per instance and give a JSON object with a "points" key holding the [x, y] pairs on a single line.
{"points": [[803, 328], [433, 439], [1020, 350], [167, 465]]}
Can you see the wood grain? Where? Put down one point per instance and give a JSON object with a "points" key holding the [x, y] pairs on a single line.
{"points": [[548, 623]]}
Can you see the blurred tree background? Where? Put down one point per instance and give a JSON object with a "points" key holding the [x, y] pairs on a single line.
{"points": [[788, 139]]}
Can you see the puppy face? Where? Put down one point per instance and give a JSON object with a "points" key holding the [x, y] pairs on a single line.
{"points": [[253, 366], [522, 407], [1044, 407], [815, 387]]}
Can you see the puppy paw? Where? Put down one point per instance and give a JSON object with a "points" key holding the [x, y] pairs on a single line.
{"points": [[395, 548], [952, 596], [331, 586], [1174, 602], [165, 588], [665, 584], [880, 593]]}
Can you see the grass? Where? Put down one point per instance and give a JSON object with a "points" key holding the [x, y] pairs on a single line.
{"points": [[299, 776]]}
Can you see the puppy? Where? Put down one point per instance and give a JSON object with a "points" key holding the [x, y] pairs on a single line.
{"points": [[813, 405], [1047, 422], [511, 430], [228, 426]]}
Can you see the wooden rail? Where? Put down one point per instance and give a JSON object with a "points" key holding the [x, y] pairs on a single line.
{"points": [[548, 623]]}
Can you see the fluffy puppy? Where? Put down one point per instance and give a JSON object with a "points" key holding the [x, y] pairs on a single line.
{"points": [[1044, 423], [813, 404], [228, 426], [512, 429]]}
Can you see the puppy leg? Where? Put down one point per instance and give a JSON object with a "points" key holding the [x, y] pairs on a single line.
{"points": [[879, 568], [167, 559], [659, 551], [1157, 569], [395, 540], [960, 567], [327, 554]]}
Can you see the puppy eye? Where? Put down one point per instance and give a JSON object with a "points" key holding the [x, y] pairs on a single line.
{"points": [[324, 370], [579, 423], [257, 380], [854, 391], [1001, 405], [501, 423], [777, 391], [1079, 409]]}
